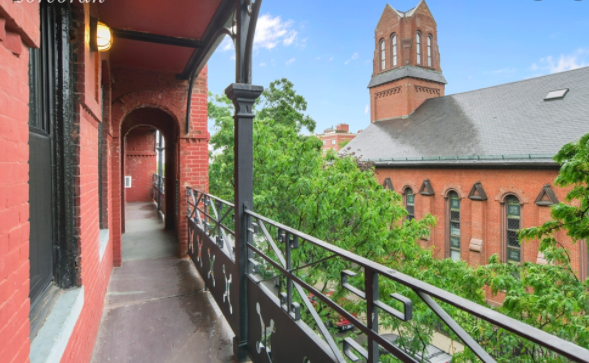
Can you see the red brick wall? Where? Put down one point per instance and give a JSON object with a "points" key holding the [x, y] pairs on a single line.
{"points": [[138, 89], [93, 273], [479, 219], [140, 163], [194, 153], [402, 97], [406, 29], [19, 29]]}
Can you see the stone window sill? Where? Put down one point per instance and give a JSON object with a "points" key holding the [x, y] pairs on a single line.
{"points": [[53, 337]]}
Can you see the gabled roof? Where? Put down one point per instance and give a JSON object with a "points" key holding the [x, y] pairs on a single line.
{"points": [[407, 14], [407, 71], [505, 124]]}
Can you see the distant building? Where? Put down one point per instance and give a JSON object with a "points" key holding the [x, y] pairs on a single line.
{"points": [[333, 137], [480, 161]]}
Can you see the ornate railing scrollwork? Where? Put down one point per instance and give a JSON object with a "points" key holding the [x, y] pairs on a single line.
{"points": [[284, 336]]}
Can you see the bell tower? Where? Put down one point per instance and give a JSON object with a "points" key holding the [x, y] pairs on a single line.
{"points": [[406, 63]]}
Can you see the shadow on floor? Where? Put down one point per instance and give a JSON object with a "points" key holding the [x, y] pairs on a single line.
{"points": [[156, 309]]}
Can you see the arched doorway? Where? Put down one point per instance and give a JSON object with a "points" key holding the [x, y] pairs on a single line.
{"points": [[141, 120]]}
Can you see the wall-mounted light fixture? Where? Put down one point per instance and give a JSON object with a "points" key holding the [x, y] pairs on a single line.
{"points": [[100, 36]]}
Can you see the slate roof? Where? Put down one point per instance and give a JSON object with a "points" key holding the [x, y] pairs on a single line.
{"points": [[406, 71], [505, 124]]}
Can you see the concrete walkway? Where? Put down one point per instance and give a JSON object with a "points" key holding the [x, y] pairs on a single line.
{"points": [[156, 309]]}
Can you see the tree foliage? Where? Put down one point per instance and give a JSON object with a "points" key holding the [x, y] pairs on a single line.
{"points": [[339, 200]]}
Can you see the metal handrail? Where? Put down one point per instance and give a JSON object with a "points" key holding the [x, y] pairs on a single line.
{"points": [[424, 290], [213, 211]]}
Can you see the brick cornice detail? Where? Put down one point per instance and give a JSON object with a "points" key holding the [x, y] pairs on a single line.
{"points": [[388, 92], [432, 91]]}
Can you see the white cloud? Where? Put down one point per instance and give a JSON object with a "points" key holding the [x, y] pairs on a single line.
{"points": [[263, 64], [227, 44], [290, 38], [270, 31], [319, 58], [354, 57], [367, 109], [330, 59], [568, 62], [290, 61]]}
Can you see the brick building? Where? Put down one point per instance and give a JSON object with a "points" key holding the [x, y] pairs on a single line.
{"points": [[75, 114], [140, 163], [479, 161], [333, 137]]}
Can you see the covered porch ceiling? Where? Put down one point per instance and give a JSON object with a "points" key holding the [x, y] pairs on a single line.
{"points": [[165, 36]]}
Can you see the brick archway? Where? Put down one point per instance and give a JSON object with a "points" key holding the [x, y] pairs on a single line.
{"points": [[124, 120], [164, 94]]}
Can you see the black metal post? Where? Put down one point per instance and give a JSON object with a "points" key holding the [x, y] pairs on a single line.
{"points": [[371, 286], [160, 170], [243, 97]]}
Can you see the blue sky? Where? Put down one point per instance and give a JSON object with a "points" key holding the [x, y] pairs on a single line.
{"points": [[326, 48]]}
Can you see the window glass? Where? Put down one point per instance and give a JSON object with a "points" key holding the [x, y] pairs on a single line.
{"points": [[410, 203], [418, 47], [454, 226], [394, 49], [382, 56], [429, 51], [513, 210]]}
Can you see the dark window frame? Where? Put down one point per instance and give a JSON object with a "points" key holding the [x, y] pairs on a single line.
{"points": [[450, 195], [507, 228], [52, 111], [406, 193]]}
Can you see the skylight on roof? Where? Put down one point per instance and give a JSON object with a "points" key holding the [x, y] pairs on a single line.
{"points": [[553, 95]]}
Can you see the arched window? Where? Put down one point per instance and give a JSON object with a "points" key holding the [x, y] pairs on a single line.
{"points": [[513, 250], [394, 50], [453, 226], [418, 47], [383, 55], [410, 203], [429, 51]]}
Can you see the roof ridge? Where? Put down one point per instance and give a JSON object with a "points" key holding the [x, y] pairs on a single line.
{"points": [[520, 81], [405, 14]]}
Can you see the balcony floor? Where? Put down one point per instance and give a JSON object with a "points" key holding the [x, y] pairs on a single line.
{"points": [[156, 309]]}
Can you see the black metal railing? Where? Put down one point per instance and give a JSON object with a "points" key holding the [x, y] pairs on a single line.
{"points": [[284, 324]]}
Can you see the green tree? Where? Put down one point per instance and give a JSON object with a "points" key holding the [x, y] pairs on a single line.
{"points": [[551, 297], [338, 199]]}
